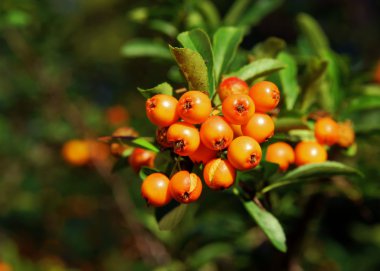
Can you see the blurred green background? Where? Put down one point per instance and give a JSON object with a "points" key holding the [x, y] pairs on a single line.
{"points": [[62, 67]]}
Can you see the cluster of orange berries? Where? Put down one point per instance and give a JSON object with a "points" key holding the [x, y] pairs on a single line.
{"points": [[326, 131], [193, 128]]}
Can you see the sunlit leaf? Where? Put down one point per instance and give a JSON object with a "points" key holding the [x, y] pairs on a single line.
{"points": [[258, 68], [146, 171], [288, 77], [163, 88], [142, 142], [225, 43], [193, 67], [164, 27], [198, 41], [145, 48], [268, 223]]}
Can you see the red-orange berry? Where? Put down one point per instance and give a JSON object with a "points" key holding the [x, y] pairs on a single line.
{"points": [[216, 133], [238, 108], [219, 174], [244, 153], [184, 137], [259, 126], [76, 152], [141, 157], [266, 96], [185, 187], [307, 152], [155, 190], [202, 155], [194, 107], [161, 110], [326, 131], [280, 153], [232, 85]]}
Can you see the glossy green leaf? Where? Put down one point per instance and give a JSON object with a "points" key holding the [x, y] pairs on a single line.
{"points": [[268, 223], [288, 77], [145, 48], [312, 171], [171, 219], [163, 88], [144, 143], [258, 68], [192, 67], [364, 102], [268, 48], [198, 41], [225, 44]]}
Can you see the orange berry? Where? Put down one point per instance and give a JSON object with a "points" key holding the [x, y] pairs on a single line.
{"points": [[265, 95], [259, 126], [238, 108], [216, 133], [184, 137], [232, 85], [99, 151], [376, 73], [326, 131], [194, 107], [202, 155], [219, 174], [244, 153], [236, 129], [307, 152], [346, 134], [280, 153], [185, 187], [76, 152], [161, 110], [117, 115], [141, 157], [155, 190]]}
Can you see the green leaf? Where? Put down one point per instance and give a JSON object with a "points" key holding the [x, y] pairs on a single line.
{"points": [[258, 68], [225, 44], [193, 68], [288, 77], [144, 143], [313, 33], [198, 41], [248, 14], [163, 27], [209, 12], [268, 48], [163, 88], [312, 82], [268, 223], [145, 48], [364, 102], [171, 220], [284, 124], [312, 171]]}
